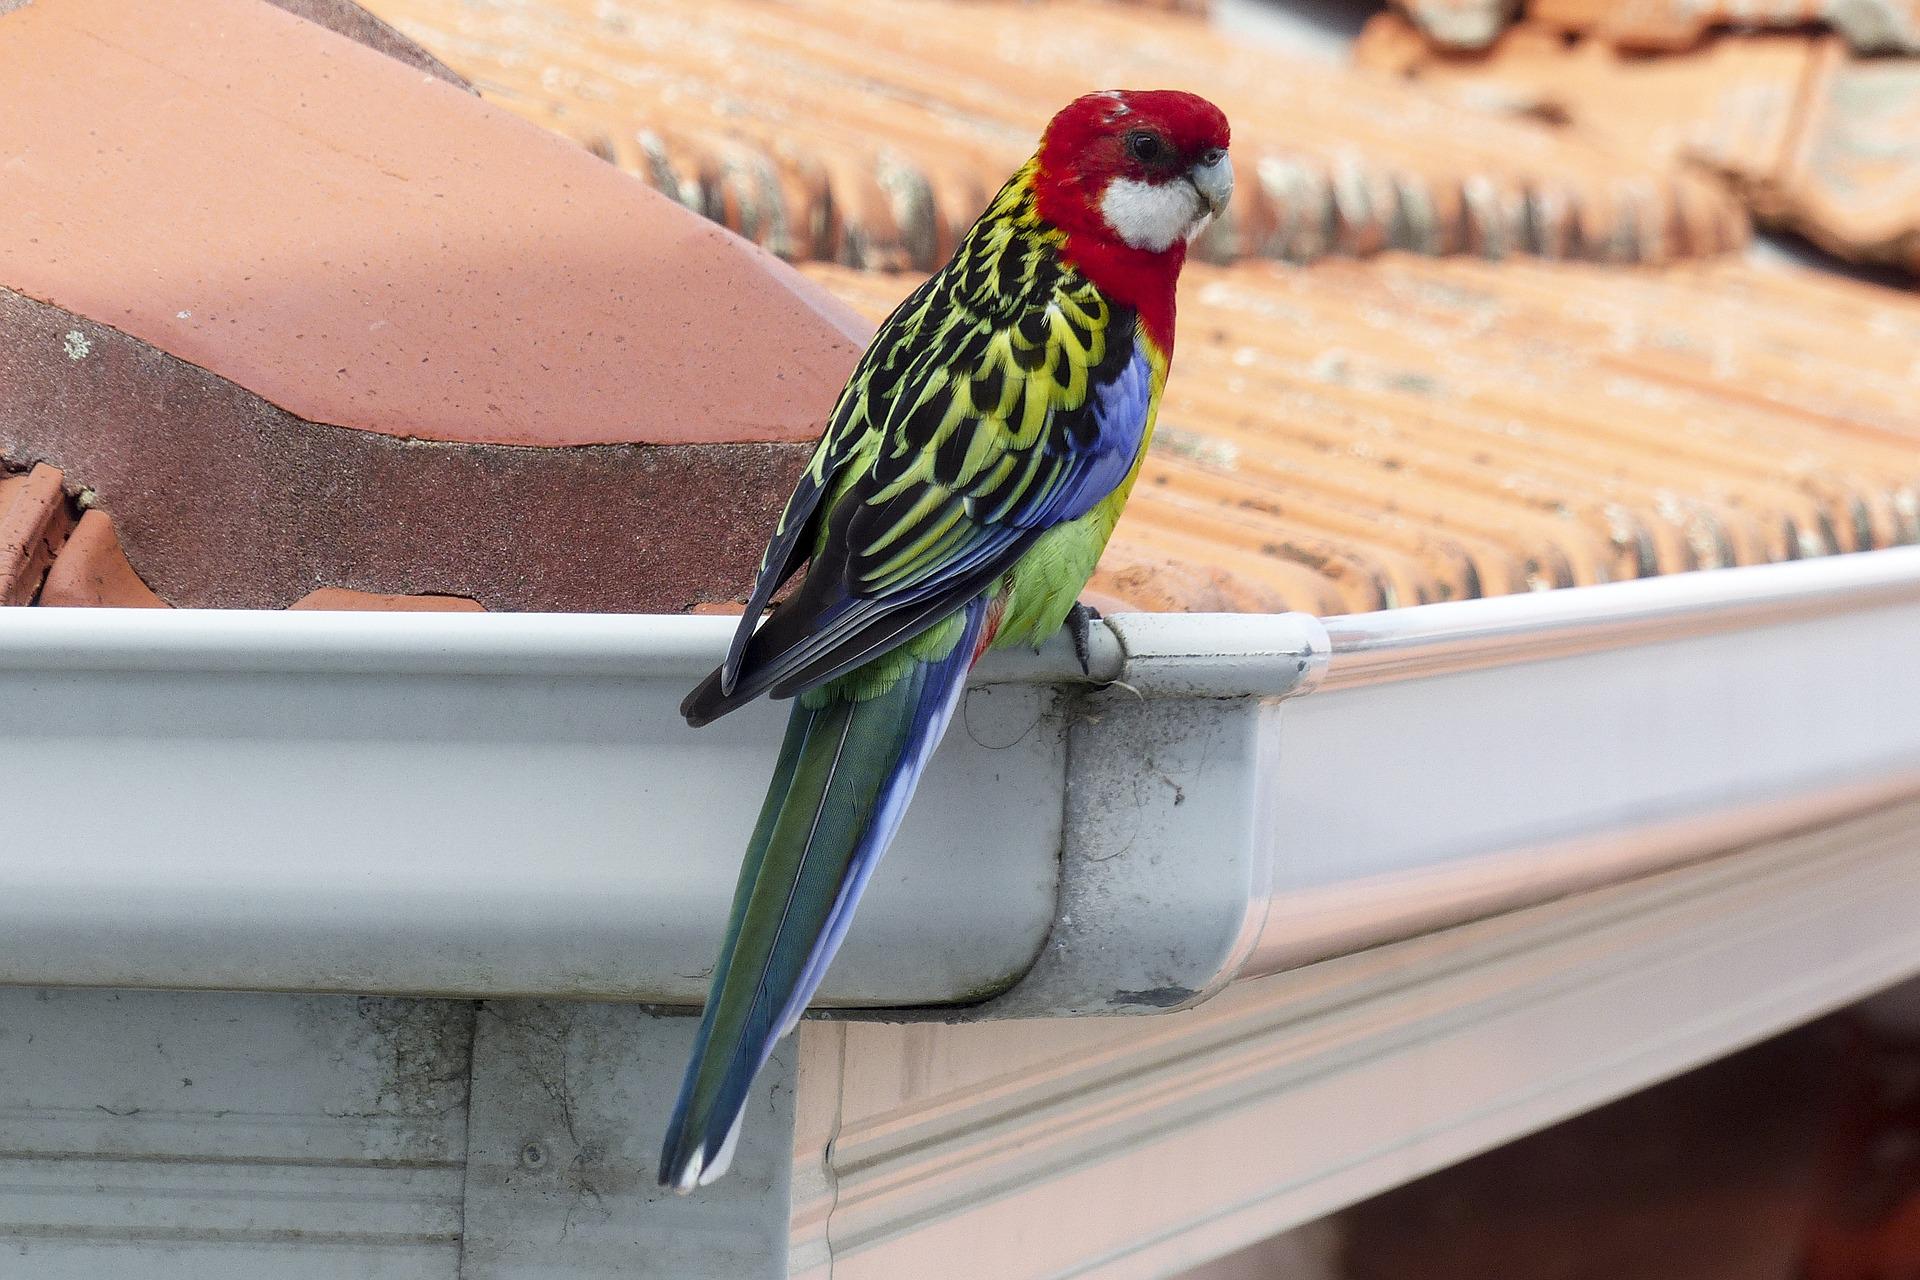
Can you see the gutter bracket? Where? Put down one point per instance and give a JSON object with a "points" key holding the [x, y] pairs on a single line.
{"points": [[1165, 863]]}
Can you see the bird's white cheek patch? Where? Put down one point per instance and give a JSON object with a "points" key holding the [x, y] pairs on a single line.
{"points": [[1150, 217]]}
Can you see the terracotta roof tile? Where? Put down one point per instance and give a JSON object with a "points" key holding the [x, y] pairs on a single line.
{"points": [[1814, 138], [34, 520], [50, 558], [1853, 182], [1352, 436], [361, 329], [373, 250], [878, 151], [1869, 26], [92, 570]]}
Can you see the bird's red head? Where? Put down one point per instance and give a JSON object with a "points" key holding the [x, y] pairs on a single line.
{"points": [[1132, 176]]}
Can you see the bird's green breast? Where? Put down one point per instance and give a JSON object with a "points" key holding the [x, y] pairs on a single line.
{"points": [[1044, 584]]}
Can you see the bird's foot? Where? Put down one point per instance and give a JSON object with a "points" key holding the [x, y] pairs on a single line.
{"points": [[1080, 620]]}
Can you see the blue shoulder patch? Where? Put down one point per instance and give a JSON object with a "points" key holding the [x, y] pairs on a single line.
{"points": [[1120, 410]]}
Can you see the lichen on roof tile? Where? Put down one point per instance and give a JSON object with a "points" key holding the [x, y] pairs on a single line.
{"points": [[1460, 24]]}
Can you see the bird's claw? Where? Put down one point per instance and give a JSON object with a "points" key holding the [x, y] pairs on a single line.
{"points": [[1080, 620]]}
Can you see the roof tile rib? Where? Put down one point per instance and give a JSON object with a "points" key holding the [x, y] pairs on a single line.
{"points": [[92, 570], [878, 152], [1351, 436], [34, 520]]}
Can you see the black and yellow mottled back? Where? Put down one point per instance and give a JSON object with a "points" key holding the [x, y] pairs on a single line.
{"points": [[1005, 395]]}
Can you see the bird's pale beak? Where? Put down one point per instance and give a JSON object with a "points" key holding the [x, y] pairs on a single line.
{"points": [[1213, 179]]}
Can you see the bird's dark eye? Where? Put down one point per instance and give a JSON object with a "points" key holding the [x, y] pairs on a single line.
{"points": [[1146, 147]]}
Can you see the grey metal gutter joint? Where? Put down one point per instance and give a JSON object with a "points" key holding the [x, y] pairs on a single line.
{"points": [[1162, 889]]}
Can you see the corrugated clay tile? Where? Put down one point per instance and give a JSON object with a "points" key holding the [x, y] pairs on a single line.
{"points": [[1706, 445], [92, 571], [1352, 436], [1732, 106], [1149, 578], [34, 521], [1376, 355], [885, 145]]}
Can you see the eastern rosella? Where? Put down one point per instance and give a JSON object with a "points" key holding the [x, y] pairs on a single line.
{"points": [[968, 479]]}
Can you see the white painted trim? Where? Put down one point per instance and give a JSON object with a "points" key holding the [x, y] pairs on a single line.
{"points": [[1126, 1149]]}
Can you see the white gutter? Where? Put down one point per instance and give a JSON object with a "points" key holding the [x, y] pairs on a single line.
{"points": [[506, 804], [1457, 760]]}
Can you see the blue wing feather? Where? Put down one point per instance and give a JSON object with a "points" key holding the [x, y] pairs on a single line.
{"points": [[1120, 414]]}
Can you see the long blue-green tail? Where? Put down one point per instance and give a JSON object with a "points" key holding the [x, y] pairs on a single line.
{"points": [[845, 774]]}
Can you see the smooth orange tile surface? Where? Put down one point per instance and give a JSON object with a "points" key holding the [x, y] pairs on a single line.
{"points": [[92, 571], [368, 246]]}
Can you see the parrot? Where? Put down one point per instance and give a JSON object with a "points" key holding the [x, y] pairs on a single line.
{"points": [[968, 479]]}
